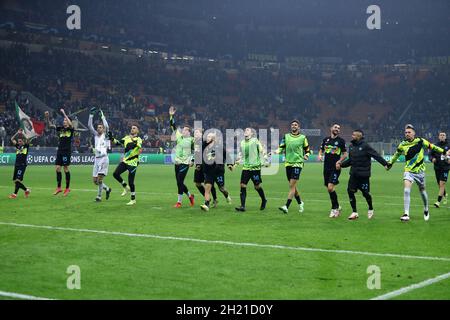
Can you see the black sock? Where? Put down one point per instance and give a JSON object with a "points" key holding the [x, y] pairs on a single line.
{"points": [[334, 200], [225, 193], [21, 186], [207, 202], [445, 192], [214, 193], [352, 198], [439, 198], [297, 197], [201, 189], [133, 195], [288, 202], [59, 178], [16, 190], [261, 193], [124, 184], [243, 196], [67, 180], [368, 199]]}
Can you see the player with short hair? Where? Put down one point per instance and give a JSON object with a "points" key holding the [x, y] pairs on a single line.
{"points": [[441, 168], [360, 156], [413, 148], [133, 147], [331, 151], [65, 134], [22, 145], [199, 176], [295, 146], [183, 157], [101, 162], [214, 157], [252, 155]]}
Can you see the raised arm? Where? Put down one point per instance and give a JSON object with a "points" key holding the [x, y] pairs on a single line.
{"points": [[90, 121], [105, 123], [172, 111], [13, 138], [47, 120], [67, 118]]}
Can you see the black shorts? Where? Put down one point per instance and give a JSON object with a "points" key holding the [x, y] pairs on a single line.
{"points": [[63, 159], [214, 175], [199, 177], [441, 175], [361, 183], [254, 175], [293, 173], [19, 172], [331, 176]]}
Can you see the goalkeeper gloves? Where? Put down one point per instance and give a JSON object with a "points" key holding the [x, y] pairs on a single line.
{"points": [[93, 109]]}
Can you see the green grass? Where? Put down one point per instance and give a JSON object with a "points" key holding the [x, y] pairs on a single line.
{"points": [[34, 261]]}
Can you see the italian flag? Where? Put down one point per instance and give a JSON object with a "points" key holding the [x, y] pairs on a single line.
{"points": [[31, 128]]}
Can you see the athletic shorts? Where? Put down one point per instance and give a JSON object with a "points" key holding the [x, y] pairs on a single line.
{"points": [[100, 166], [62, 159], [331, 176], [293, 173], [441, 175], [356, 183], [418, 178], [19, 172], [215, 175], [254, 175], [199, 176]]}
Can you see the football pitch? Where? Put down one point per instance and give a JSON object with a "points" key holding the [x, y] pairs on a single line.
{"points": [[154, 251]]}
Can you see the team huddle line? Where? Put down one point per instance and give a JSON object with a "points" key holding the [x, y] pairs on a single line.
{"points": [[209, 158]]}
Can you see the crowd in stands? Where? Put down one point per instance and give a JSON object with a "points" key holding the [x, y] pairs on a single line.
{"points": [[136, 90], [287, 27]]}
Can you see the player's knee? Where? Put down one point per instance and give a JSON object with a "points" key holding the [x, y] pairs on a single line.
{"points": [[243, 185], [58, 168], [407, 191], [95, 181], [257, 186], [66, 169]]}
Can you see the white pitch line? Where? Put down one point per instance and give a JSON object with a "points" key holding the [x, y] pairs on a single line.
{"points": [[412, 287], [21, 296], [227, 243]]}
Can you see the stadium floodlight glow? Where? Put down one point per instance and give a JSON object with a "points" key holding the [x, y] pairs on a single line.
{"points": [[123, 50], [105, 47]]}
